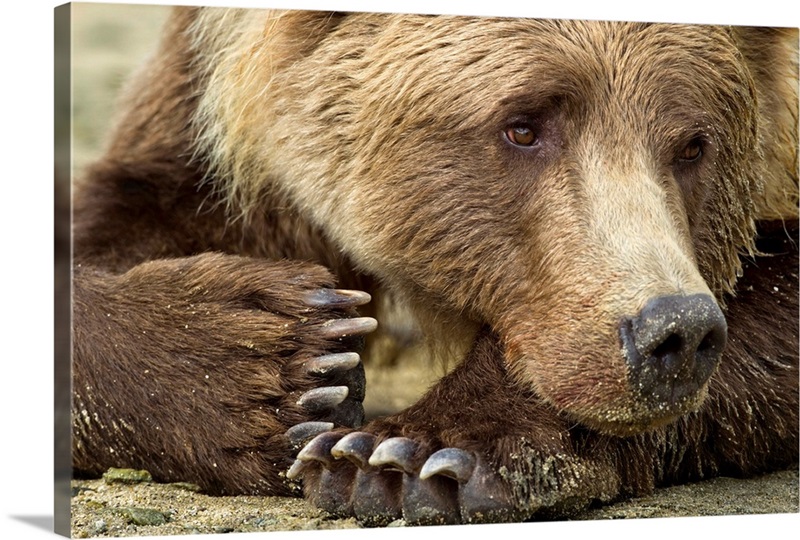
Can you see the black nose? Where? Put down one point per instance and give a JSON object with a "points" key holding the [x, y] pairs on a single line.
{"points": [[673, 346]]}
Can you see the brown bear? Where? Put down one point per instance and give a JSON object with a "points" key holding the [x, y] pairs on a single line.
{"points": [[594, 222]]}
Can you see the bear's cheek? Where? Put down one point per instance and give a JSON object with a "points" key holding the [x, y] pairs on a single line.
{"points": [[571, 361]]}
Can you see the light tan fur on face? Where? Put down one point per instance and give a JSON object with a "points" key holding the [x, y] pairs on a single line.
{"points": [[635, 236], [239, 114]]}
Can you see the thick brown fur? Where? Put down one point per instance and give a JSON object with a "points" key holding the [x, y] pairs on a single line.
{"points": [[266, 156]]}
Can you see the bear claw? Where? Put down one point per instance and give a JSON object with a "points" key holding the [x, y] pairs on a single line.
{"points": [[296, 470], [395, 453], [319, 449], [356, 477], [355, 447], [332, 363], [339, 328], [326, 397], [336, 298], [301, 433], [339, 396], [450, 462]]}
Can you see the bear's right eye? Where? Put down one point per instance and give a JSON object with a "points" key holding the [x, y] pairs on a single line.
{"points": [[693, 151], [522, 136]]}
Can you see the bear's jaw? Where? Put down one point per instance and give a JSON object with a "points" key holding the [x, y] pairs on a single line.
{"points": [[635, 418], [620, 409]]}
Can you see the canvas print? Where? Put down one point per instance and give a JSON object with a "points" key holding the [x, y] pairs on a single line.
{"points": [[347, 269]]}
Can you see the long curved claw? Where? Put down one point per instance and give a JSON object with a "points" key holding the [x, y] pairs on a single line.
{"points": [[320, 399], [450, 462], [336, 298], [319, 449], [332, 363], [341, 328], [396, 453], [301, 433], [355, 447], [297, 469]]}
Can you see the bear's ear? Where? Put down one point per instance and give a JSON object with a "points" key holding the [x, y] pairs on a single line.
{"points": [[300, 32], [758, 41], [771, 55], [288, 35]]}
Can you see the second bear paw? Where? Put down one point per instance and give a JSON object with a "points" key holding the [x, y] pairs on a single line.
{"points": [[354, 475]]}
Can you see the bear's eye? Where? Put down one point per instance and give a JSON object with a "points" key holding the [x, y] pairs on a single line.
{"points": [[522, 136], [692, 151]]}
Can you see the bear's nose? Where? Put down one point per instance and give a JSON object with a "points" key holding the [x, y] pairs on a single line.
{"points": [[673, 346]]}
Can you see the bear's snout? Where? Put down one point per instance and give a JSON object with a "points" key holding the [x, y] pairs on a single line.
{"points": [[673, 346]]}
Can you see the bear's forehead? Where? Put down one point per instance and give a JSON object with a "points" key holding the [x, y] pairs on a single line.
{"points": [[621, 40], [562, 50], [484, 65]]}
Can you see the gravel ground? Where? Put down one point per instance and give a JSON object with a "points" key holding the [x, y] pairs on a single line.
{"points": [[110, 40], [102, 508]]}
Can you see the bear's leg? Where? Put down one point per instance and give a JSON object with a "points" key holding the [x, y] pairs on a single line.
{"points": [[194, 367], [478, 447]]}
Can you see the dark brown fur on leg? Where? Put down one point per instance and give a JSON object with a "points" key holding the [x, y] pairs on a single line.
{"points": [[191, 363], [194, 367], [508, 456]]}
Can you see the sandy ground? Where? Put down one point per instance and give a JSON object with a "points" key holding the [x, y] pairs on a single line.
{"points": [[102, 509], [108, 41]]}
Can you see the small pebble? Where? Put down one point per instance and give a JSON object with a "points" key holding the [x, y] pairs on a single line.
{"points": [[143, 516], [126, 476], [100, 527]]}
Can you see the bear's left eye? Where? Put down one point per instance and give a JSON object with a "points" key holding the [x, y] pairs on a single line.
{"points": [[692, 151], [522, 136]]}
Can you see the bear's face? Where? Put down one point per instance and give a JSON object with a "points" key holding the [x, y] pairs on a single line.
{"points": [[548, 178]]}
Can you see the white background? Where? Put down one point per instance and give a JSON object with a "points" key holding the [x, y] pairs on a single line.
{"points": [[26, 283]]}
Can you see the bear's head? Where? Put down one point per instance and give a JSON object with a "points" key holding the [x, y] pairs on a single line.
{"points": [[584, 188]]}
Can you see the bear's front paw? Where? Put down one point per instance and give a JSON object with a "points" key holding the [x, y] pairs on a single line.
{"points": [[431, 473], [352, 474], [478, 447], [214, 357]]}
